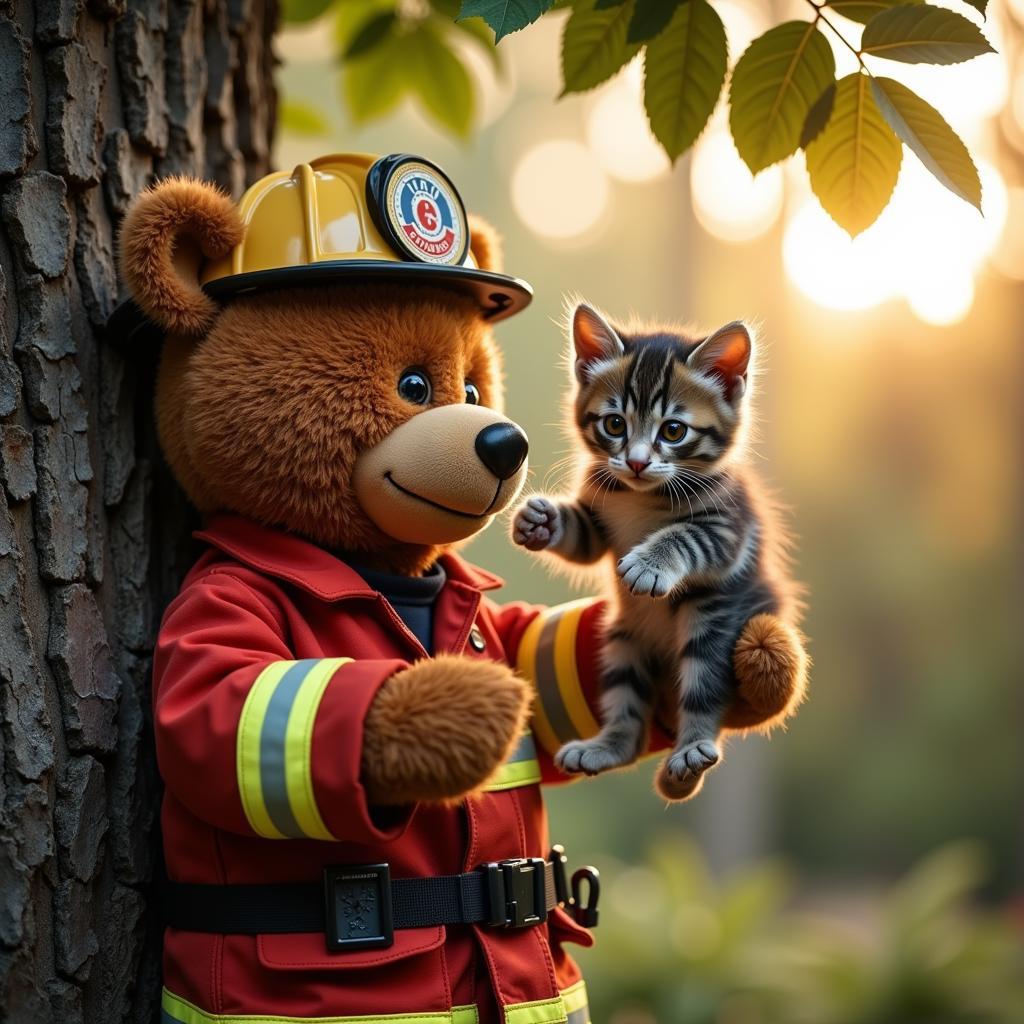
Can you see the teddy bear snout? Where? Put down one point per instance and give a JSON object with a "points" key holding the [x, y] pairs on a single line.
{"points": [[502, 448], [443, 474]]}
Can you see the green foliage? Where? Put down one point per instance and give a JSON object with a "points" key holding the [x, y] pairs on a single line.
{"points": [[301, 118], [595, 44], [864, 10], [687, 949], [921, 34], [505, 16], [783, 96], [684, 70], [925, 131], [649, 18], [774, 85], [298, 11], [854, 162]]}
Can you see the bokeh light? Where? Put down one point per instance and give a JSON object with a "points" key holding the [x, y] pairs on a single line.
{"points": [[927, 246], [558, 190], [729, 202], [618, 131]]}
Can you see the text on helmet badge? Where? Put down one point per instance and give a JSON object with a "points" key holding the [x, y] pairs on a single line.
{"points": [[419, 210]]}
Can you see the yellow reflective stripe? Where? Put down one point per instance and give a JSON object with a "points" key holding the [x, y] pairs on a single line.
{"points": [[247, 749], [274, 747], [526, 663], [543, 1011], [514, 775], [575, 997], [566, 673], [179, 1011], [299, 745]]}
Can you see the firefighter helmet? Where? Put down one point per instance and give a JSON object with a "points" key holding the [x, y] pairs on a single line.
{"points": [[354, 216]]}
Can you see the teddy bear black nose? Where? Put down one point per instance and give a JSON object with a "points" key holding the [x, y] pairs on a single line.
{"points": [[502, 448]]}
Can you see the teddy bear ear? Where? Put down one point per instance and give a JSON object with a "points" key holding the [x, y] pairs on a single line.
{"points": [[166, 233], [484, 244]]}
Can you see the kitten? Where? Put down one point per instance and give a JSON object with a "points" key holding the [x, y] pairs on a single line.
{"points": [[661, 416]]}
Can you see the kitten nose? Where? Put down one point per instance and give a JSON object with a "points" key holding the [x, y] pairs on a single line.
{"points": [[502, 448], [638, 465]]}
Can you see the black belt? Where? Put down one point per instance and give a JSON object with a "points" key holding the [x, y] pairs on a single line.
{"points": [[359, 906]]}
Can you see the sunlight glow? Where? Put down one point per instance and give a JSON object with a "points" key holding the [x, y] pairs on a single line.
{"points": [[558, 190], [729, 202], [618, 132], [927, 246]]}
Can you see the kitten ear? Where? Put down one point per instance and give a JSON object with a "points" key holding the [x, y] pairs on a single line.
{"points": [[726, 355], [594, 339]]}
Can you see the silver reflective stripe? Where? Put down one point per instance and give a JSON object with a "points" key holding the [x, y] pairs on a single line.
{"points": [[273, 766], [580, 1016], [525, 751]]}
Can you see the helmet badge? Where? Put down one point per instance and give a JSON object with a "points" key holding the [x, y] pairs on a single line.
{"points": [[417, 208]]}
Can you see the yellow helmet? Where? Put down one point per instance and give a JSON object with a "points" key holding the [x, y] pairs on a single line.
{"points": [[353, 215]]}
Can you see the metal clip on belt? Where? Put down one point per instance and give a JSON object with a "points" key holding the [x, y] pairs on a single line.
{"points": [[359, 906]]}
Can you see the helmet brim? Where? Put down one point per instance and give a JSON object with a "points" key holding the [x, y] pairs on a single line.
{"points": [[498, 295]]}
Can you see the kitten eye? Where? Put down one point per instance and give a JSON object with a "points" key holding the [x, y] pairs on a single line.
{"points": [[472, 393], [614, 425], [414, 386], [672, 431]]}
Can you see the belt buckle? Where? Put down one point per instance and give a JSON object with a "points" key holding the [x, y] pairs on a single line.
{"points": [[515, 888], [357, 907]]}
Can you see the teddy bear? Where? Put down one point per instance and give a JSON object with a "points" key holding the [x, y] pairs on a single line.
{"points": [[351, 731]]}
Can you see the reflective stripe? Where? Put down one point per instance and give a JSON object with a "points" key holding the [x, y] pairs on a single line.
{"points": [[274, 747], [570, 1006], [521, 769], [545, 1011], [576, 1007], [175, 1010], [547, 656]]}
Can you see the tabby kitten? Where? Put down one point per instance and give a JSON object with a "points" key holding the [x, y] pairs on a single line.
{"points": [[664, 493]]}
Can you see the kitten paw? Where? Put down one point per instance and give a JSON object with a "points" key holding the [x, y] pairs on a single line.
{"points": [[537, 525], [640, 575], [591, 757], [693, 759]]}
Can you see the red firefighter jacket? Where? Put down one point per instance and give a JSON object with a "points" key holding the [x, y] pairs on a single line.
{"points": [[265, 666]]}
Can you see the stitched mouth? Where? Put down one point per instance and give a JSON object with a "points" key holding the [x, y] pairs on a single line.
{"points": [[442, 508]]}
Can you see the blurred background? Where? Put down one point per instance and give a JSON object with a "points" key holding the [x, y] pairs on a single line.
{"points": [[867, 865]]}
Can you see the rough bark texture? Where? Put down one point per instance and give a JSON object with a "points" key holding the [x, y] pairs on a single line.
{"points": [[98, 99]]}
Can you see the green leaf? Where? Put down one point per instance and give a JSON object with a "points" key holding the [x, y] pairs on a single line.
{"points": [[774, 85], [817, 116], [504, 16], [301, 118], [439, 80], [594, 45], [351, 18], [370, 34], [474, 28], [650, 18], [923, 35], [294, 12], [374, 83], [684, 70], [605, 5], [926, 132], [979, 5], [854, 163], [864, 10]]}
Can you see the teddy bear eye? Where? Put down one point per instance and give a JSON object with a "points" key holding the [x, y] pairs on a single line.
{"points": [[472, 393], [414, 386]]}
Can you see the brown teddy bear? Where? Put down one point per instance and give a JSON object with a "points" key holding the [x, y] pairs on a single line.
{"points": [[352, 820]]}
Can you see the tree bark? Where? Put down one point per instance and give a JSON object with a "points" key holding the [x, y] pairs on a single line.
{"points": [[98, 99]]}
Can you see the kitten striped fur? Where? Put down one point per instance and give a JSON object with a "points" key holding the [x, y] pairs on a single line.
{"points": [[667, 500]]}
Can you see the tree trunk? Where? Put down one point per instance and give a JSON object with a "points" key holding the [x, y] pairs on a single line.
{"points": [[98, 99]]}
